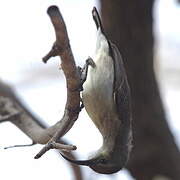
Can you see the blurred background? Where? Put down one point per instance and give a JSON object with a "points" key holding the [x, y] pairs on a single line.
{"points": [[26, 35]]}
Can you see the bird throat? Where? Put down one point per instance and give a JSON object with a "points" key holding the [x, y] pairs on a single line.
{"points": [[98, 91]]}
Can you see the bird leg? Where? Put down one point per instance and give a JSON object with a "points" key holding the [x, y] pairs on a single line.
{"points": [[83, 76], [89, 62], [84, 71]]}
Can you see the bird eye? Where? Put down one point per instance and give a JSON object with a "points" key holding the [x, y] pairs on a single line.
{"points": [[103, 161]]}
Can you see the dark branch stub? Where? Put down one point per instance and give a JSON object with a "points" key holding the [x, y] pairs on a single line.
{"points": [[52, 53]]}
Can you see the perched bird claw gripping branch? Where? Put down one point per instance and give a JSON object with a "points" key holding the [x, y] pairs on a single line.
{"points": [[106, 97]]}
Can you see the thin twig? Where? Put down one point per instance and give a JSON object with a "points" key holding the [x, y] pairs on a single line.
{"points": [[21, 145]]}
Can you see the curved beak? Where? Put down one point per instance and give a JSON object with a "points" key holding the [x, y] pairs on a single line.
{"points": [[97, 19], [89, 162]]}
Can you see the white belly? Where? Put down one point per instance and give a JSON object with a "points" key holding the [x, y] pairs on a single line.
{"points": [[98, 91]]}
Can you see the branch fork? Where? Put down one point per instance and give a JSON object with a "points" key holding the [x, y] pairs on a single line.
{"points": [[54, 145]]}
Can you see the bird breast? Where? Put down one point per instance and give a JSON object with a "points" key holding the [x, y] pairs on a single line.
{"points": [[98, 92]]}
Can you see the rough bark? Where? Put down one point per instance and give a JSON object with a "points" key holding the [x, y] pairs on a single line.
{"points": [[129, 24]]}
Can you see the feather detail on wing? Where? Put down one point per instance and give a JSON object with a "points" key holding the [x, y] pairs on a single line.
{"points": [[121, 87], [122, 100]]}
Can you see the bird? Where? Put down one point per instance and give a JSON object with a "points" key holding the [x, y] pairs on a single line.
{"points": [[107, 100]]}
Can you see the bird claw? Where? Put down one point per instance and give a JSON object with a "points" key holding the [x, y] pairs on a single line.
{"points": [[90, 62], [83, 71]]}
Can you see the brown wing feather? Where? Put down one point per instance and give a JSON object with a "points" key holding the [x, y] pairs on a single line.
{"points": [[122, 100]]}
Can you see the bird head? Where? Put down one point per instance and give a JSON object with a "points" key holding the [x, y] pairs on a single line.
{"points": [[101, 163]]}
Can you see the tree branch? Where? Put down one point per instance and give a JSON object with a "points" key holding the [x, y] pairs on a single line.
{"points": [[62, 48], [32, 127], [12, 110]]}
